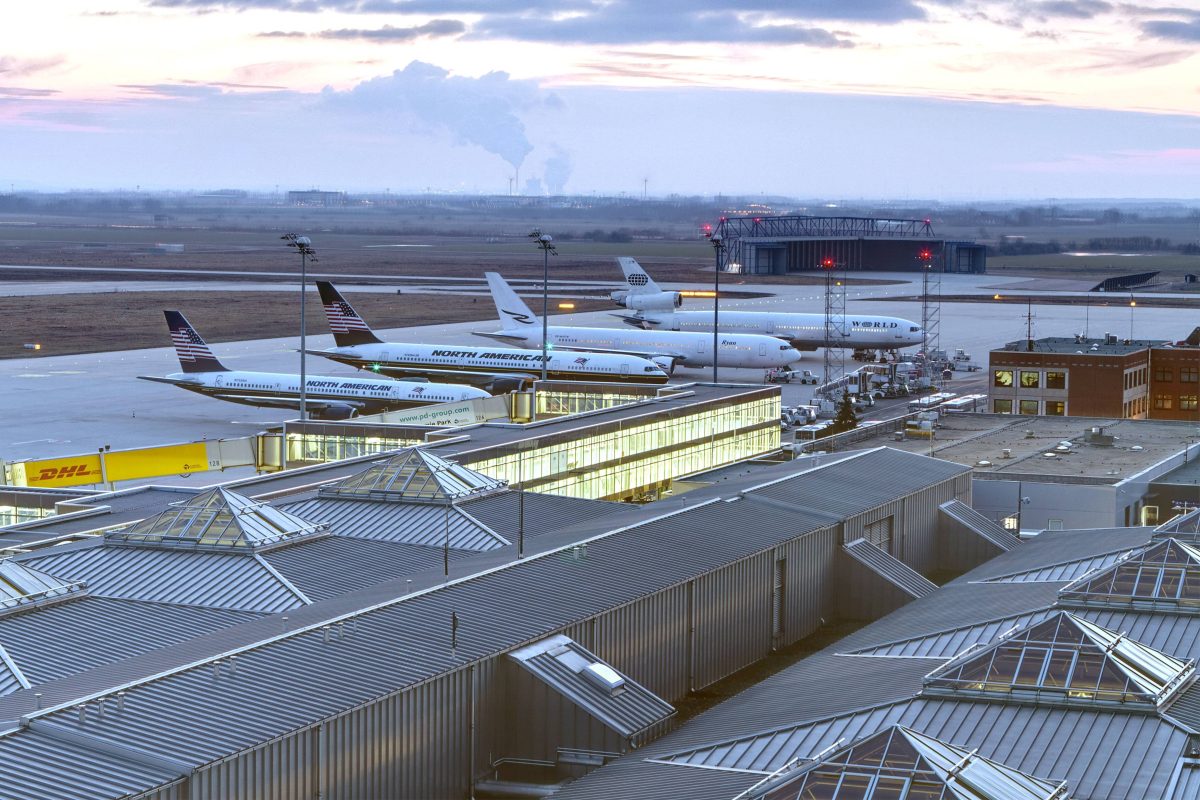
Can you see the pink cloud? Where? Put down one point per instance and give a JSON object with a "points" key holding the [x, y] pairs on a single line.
{"points": [[1127, 162]]}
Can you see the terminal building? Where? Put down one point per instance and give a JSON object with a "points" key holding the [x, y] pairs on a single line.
{"points": [[1082, 377], [779, 245]]}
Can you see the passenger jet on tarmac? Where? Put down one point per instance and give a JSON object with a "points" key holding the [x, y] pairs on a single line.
{"points": [[326, 397], [676, 347], [656, 309], [498, 369]]}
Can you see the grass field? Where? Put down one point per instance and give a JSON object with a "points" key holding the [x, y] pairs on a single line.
{"points": [[90, 323]]}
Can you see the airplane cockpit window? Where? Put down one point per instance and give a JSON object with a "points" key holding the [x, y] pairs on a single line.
{"points": [[649, 369], [785, 347], [914, 329]]}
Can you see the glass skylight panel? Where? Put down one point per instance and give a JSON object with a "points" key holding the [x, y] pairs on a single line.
{"points": [[1065, 659], [415, 474], [1166, 571], [217, 519], [900, 764]]}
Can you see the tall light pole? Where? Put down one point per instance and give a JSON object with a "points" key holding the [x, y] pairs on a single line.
{"points": [[303, 246], [718, 245], [546, 243]]}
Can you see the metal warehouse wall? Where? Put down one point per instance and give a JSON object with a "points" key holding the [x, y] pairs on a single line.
{"points": [[432, 740]]}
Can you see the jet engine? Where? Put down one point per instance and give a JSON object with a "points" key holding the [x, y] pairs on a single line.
{"points": [[335, 412], [665, 363], [660, 301]]}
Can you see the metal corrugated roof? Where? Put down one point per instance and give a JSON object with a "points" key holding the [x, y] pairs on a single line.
{"points": [[955, 605], [881, 475], [543, 512], [1058, 547], [303, 677], [37, 767], [562, 663], [213, 580], [891, 569], [413, 523], [72, 637], [1187, 783], [947, 644], [1063, 572], [990, 530], [1185, 708], [337, 564]]}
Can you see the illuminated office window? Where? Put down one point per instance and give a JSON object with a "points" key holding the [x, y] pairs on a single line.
{"points": [[1056, 379], [1030, 379], [1002, 378]]}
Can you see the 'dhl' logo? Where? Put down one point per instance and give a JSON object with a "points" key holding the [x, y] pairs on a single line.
{"points": [[524, 319], [60, 473]]}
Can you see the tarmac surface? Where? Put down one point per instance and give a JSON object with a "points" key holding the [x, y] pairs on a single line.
{"points": [[67, 405]]}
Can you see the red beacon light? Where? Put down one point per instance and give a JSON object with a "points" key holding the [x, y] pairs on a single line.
{"points": [[827, 263]]}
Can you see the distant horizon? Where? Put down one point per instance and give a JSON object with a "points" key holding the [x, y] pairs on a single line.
{"points": [[824, 203]]}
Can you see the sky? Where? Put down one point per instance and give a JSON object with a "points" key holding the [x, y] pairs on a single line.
{"points": [[900, 99]]}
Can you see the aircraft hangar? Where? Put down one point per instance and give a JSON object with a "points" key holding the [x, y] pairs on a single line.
{"points": [[778, 245]]}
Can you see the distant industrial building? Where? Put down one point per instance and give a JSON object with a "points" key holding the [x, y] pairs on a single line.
{"points": [[315, 197], [1109, 377], [1064, 668], [779, 245], [417, 629]]}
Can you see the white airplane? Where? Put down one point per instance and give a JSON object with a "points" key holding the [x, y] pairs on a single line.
{"points": [[325, 397], [499, 369], [675, 347], [655, 310]]}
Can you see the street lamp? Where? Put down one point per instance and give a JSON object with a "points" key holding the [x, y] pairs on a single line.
{"points": [[546, 243], [718, 245], [303, 246]]}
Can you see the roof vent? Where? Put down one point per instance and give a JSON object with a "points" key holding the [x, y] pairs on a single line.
{"points": [[1137, 448], [1006, 452], [983, 463], [604, 677]]}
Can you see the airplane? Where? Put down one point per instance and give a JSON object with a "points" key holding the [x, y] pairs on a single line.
{"points": [[326, 397], [655, 310], [499, 369], [677, 347]]}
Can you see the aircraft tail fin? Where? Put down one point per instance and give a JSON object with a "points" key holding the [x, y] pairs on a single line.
{"points": [[1193, 338], [347, 326], [512, 309], [636, 278], [194, 354]]}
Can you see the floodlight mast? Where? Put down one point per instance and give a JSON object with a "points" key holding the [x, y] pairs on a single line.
{"points": [[303, 246], [718, 247], [546, 243]]}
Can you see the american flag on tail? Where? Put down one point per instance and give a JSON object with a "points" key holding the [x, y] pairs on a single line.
{"points": [[342, 318], [189, 345]]}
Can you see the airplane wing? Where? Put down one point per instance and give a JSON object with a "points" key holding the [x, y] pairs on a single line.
{"points": [[638, 322], [170, 381], [502, 337], [289, 402], [468, 376]]}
